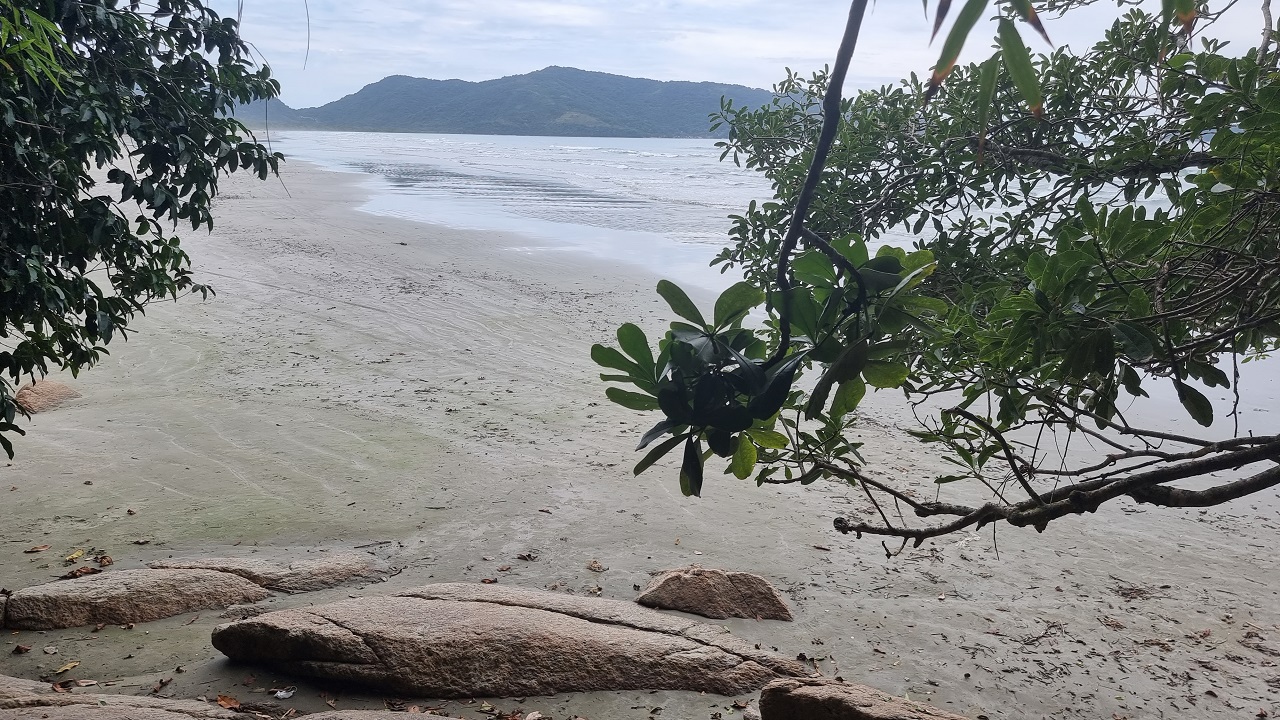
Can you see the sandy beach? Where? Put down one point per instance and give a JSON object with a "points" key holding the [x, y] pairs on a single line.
{"points": [[426, 394]]}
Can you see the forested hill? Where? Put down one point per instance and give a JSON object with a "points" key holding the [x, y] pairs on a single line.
{"points": [[553, 101]]}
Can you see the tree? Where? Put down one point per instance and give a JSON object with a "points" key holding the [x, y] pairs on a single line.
{"points": [[1042, 294], [114, 127]]}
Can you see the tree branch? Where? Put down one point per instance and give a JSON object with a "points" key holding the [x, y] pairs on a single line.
{"points": [[830, 123]]}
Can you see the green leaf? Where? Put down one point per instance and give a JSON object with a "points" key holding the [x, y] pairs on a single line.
{"points": [[634, 343], [735, 302], [1017, 61], [848, 396], [691, 468], [1133, 340], [771, 439], [611, 358], [657, 453], [954, 43], [744, 458], [634, 401], [680, 303], [1029, 16], [1132, 381], [883, 374], [986, 97], [1197, 405], [657, 431]]}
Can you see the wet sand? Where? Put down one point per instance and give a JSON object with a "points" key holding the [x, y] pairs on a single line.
{"points": [[361, 379]]}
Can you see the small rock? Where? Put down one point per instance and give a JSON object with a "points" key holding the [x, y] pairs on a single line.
{"points": [[43, 396], [715, 594], [125, 597], [325, 570], [827, 699]]}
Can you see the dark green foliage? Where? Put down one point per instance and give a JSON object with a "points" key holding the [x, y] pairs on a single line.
{"points": [[554, 101], [114, 127], [1085, 228]]}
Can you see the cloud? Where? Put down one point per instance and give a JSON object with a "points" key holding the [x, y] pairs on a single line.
{"points": [[749, 42]]}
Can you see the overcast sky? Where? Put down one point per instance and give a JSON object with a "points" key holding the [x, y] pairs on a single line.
{"points": [[749, 42]]}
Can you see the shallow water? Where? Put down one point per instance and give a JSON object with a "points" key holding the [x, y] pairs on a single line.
{"points": [[655, 202]]}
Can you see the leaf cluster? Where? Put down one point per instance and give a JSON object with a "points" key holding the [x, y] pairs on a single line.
{"points": [[115, 123]]}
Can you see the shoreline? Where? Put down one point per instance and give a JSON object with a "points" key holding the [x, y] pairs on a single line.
{"points": [[360, 379]]}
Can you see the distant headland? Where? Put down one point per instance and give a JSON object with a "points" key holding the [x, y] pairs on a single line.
{"points": [[557, 101]]}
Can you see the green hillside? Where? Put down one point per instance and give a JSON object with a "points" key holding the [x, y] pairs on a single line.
{"points": [[553, 101]]}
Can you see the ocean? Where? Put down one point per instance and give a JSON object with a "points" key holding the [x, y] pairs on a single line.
{"points": [[659, 203]]}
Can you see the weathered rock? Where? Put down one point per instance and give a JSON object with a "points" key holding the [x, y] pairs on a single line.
{"points": [[715, 594], [25, 699], [464, 640], [324, 570], [43, 396], [124, 596], [827, 699]]}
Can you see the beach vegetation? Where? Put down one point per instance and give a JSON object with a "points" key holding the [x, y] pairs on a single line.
{"points": [[1092, 251], [114, 129]]}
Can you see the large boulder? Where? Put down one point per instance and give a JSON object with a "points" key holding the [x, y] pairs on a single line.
{"points": [[43, 396], [715, 594], [324, 570], [125, 596], [463, 640], [827, 699]]}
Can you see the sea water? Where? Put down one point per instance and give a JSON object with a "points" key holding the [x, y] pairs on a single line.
{"points": [[659, 203]]}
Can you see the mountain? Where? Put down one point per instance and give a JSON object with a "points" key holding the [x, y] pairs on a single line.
{"points": [[554, 101]]}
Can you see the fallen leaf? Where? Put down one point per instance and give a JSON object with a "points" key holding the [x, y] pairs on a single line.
{"points": [[823, 548], [332, 703], [284, 693], [131, 511], [63, 686], [80, 572], [488, 581], [74, 556], [741, 704], [86, 683], [104, 560], [527, 557], [141, 542], [595, 566], [37, 549], [50, 650], [544, 510], [160, 685], [69, 666], [228, 702], [504, 568], [535, 715], [22, 650]]}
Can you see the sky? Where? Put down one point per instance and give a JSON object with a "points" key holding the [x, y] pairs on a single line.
{"points": [[749, 42]]}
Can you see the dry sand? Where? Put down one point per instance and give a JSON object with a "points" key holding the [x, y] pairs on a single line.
{"points": [[361, 379]]}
